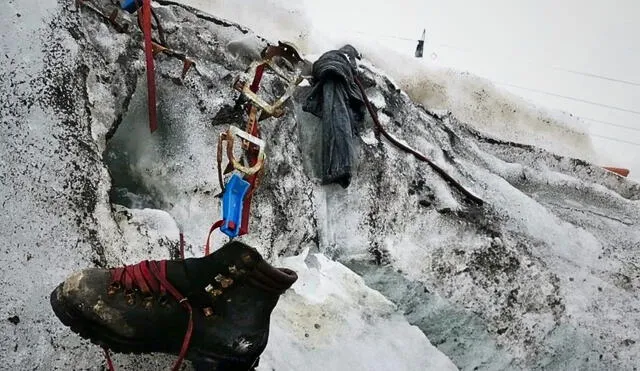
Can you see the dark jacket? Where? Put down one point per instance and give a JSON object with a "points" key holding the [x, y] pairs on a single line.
{"points": [[335, 99]]}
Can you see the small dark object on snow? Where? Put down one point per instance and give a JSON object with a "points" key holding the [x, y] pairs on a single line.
{"points": [[15, 320], [335, 99], [420, 47], [229, 297]]}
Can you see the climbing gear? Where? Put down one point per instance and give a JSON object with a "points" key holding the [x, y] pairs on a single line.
{"points": [[238, 193], [236, 189], [232, 201], [130, 6], [213, 309], [287, 52], [248, 139], [380, 129], [233, 194], [151, 47]]}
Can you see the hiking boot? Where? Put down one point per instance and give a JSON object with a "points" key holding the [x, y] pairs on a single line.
{"points": [[213, 310]]}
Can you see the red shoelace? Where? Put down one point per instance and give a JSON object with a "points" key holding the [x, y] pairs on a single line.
{"points": [[150, 277]]}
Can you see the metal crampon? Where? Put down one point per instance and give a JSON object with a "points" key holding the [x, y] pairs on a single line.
{"points": [[284, 51], [247, 169]]}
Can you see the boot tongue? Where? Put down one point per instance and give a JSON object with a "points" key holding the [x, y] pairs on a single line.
{"points": [[219, 270], [192, 275]]}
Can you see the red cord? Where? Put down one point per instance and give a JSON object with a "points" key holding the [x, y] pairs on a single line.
{"points": [[215, 226], [150, 276]]}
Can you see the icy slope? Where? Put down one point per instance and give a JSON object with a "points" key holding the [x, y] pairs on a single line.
{"points": [[544, 275]]}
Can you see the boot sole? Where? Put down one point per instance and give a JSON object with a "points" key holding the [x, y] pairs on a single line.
{"points": [[102, 337]]}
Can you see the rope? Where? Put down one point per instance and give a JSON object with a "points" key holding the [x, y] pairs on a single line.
{"points": [[410, 150]]}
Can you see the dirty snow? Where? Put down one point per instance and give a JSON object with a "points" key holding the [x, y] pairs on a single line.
{"points": [[545, 275]]}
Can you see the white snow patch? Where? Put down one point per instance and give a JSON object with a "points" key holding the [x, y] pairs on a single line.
{"points": [[330, 320]]}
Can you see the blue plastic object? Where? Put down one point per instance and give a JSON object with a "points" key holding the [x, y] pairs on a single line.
{"points": [[232, 200], [130, 6]]}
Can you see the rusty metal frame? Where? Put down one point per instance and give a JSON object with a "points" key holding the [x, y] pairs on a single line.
{"points": [[286, 52]]}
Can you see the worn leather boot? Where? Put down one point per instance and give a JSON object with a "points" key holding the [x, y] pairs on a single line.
{"points": [[213, 310]]}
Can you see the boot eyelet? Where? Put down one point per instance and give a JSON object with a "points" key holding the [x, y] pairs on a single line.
{"points": [[113, 288], [163, 300], [147, 302], [233, 270], [208, 311], [130, 297], [226, 283], [247, 259]]}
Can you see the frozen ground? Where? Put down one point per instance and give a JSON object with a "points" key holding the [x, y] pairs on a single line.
{"points": [[544, 275]]}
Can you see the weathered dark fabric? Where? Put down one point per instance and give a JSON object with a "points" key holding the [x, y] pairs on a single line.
{"points": [[335, 99]]}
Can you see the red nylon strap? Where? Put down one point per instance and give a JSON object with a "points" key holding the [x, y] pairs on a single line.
{"points": [[152, 274], [257, 78], [145, 15], [108, 357], [116, 274], [140, 278], [159, 275], [128, 278], [252, 157], [215, 226], [163, 273], [146, 273]]}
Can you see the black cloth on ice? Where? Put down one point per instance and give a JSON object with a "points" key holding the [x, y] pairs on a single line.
{"points": [[335, 99]]}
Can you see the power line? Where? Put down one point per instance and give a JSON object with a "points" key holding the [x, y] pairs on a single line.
{"points": [[385, 36], [555, 94], [610, 123], [597, 76], [570, 98], [581, 73], [615, 139]]}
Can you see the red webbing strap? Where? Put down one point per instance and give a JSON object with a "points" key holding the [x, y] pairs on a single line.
{"points": [[215, 226], [160, 275], [145, 15], [140, 278], [252, 157], [255, 84], [108, 357]]}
